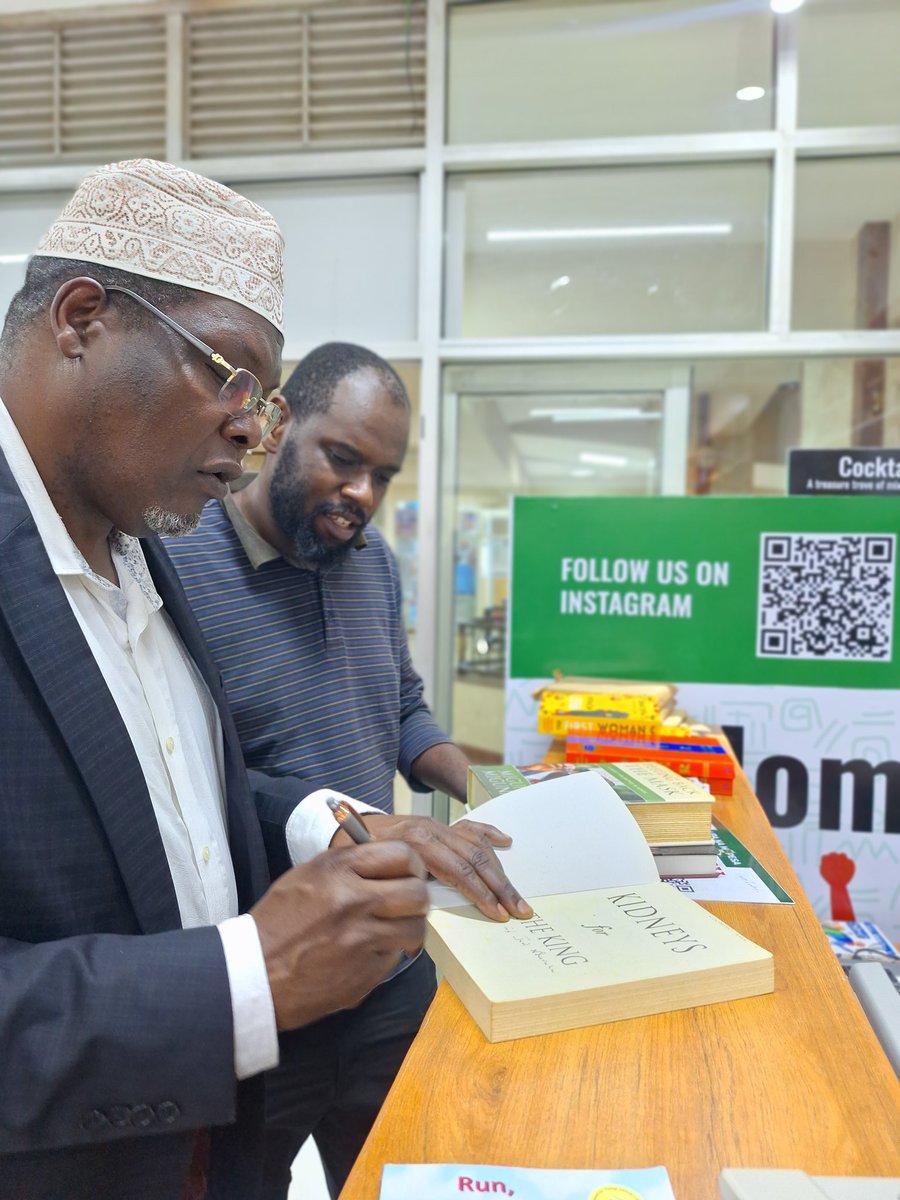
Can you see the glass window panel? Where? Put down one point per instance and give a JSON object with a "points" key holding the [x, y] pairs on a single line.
{"points": [[848, 62], [746, 416], [847, 244], [351, 257], [649, 249], [533, 429], [538, 71]]}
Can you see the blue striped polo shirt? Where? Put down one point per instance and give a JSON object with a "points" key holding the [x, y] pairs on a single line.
{"points": [[315, 661]]}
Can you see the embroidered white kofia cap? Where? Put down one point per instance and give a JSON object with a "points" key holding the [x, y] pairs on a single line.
{"points": [[168, 223]]}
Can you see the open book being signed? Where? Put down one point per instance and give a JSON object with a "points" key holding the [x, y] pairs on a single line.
{"points": [[608, 941]]}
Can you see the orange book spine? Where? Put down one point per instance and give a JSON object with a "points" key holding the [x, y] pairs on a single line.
{"points": [[713, 766]]}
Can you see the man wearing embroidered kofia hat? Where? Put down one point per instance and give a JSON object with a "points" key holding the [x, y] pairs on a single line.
{"points": [[137, 1007]]}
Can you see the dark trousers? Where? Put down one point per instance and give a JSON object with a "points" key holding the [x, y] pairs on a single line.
{"points": [[334, 1075]]}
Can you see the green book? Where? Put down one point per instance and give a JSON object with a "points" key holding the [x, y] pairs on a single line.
{"points": [[667, 807]]}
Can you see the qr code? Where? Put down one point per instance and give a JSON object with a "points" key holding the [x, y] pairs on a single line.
{"points": [[681, 885], [826, 596]]}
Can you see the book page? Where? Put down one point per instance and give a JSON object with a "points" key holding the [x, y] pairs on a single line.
{"points": [[571, 834], [590, 943]]}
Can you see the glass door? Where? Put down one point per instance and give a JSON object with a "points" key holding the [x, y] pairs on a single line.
{"points": [[535, 429]]}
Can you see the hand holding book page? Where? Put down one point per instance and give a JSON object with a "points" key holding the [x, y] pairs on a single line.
{"points": [[608, 940], [568, 835]]}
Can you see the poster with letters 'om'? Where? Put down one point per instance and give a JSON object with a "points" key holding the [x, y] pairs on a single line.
{"points": [[776, 617]]}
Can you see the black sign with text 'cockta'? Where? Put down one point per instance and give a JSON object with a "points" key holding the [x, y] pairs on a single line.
{"points": [[844, 472]]}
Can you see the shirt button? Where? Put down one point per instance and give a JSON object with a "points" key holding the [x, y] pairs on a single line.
{"points": [[205, 853], [170, 744]]}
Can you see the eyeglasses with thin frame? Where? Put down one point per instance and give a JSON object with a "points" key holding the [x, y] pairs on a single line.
{"points": [[241, 393]]}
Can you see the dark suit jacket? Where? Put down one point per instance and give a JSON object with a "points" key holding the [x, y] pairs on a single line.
{"points": [[115, 1024]]}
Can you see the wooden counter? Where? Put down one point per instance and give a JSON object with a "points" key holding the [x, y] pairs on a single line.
{"points": [[794, 1079]]}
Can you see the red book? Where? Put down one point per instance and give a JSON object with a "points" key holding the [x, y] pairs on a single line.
{"points": [[660, 734], [699, 758]]}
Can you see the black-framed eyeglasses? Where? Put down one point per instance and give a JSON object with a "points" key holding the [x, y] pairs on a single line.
{"points": [[241, 393]]}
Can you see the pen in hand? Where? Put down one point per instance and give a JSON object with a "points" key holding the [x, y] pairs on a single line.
{"points": [[352, 823], [349, 821]]}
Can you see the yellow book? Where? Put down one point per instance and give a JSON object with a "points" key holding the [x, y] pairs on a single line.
{"points": [[597, 724], [664, 693], [614, 706], [609, 941], [678, 725]]}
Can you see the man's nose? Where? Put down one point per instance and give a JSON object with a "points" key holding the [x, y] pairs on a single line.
{"points": [[244, 430], [358, 489]]}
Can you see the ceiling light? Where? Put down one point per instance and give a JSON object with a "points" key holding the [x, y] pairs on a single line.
{"points": [[750, 93], [563, 281], [784, 6], [9, 259], [604, 460], [581, 473], [607, 231]]}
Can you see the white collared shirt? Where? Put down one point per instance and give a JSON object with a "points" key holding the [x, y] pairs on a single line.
{"points": [[174, 727]]}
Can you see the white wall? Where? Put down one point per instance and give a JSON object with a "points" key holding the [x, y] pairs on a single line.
{"points": [[24, 218]]}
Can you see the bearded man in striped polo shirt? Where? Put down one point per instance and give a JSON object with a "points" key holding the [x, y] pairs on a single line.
{"points": [[300, 600]]}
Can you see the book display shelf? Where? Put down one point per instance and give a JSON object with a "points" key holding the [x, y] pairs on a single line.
{"points": [[795, 1079]]}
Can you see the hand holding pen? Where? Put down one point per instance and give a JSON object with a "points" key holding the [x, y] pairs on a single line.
{"points": [[351, 822], [333, 928]]}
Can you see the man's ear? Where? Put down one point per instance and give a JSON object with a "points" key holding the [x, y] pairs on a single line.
{"points": [[271, 443], [77, 313]]}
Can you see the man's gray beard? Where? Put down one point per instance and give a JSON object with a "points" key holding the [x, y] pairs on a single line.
{"points": [[170, 524]]}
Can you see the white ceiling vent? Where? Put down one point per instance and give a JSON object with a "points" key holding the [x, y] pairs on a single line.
{"points": [[87, 92], [292, 78], [245, 82], [367, 75], [112, 90], [27, 107], [343, 74]]}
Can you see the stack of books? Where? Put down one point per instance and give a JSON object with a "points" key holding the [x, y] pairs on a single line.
{"points": [[607, 720], [666, 766], [673, 813]]}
